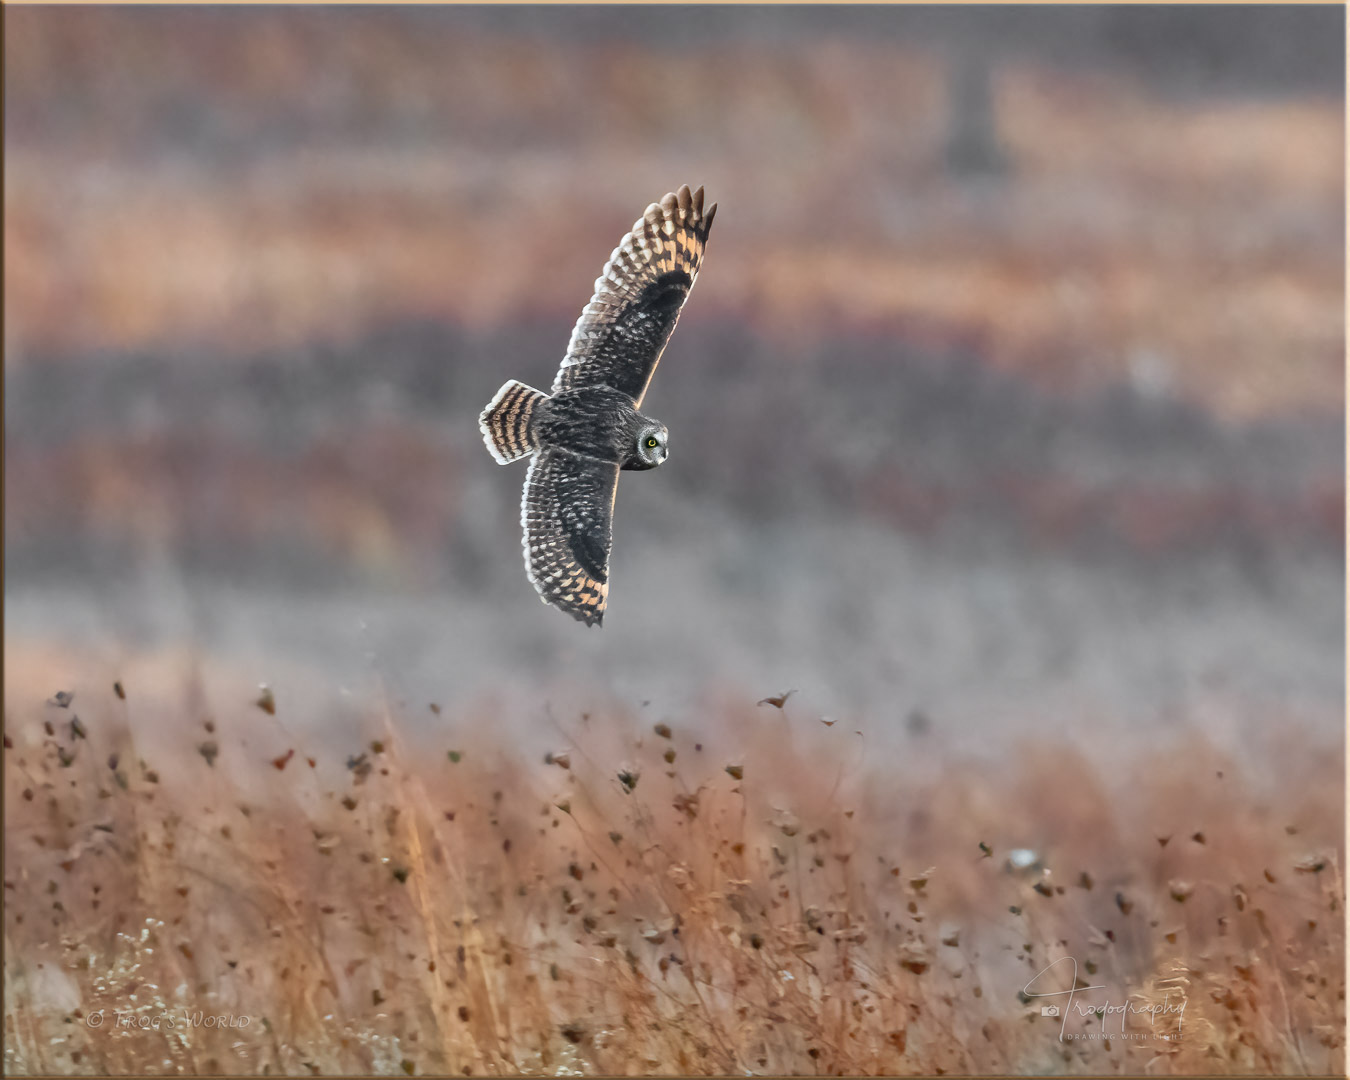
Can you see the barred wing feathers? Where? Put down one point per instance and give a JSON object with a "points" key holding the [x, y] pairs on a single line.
{"points": [[566, 516], [638, 296]]}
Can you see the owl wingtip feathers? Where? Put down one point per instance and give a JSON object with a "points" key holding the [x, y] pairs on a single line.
{"points": [[584, 615], [587, 614], [684, 206]]}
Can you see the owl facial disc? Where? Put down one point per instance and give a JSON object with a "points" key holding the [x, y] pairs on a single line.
{"points": [[651, 446]]}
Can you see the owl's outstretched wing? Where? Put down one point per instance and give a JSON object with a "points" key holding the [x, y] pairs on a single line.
{"points": [[565, 514], [623, 330]]}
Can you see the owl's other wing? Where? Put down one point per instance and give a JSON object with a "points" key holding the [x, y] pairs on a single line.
{"points": [[566, 515], [624, 329]]}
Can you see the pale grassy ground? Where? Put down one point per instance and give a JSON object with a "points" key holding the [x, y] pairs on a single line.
{"points": [[744, 891]]}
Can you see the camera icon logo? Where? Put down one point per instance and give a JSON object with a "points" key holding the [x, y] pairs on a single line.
{"points": [[1049, 1010]]}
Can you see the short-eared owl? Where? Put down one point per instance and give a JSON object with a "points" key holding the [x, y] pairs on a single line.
{"points": [[588, 428]]}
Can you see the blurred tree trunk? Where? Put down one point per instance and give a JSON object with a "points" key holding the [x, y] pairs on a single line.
{"points": [[973, 147]]}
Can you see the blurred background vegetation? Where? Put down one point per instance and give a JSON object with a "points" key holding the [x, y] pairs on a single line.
{"points": [[1012, 391]]}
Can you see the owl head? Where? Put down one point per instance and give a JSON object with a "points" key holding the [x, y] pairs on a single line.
{"points": [[650, 450]]}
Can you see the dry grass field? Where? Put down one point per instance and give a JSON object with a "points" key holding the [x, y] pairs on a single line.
{"points": [[226, 895]]}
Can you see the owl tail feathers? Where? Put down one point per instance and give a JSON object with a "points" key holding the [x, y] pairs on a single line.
{"points": [[508, 422]]}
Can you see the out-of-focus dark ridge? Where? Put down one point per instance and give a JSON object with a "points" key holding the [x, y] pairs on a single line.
{"points": [[362, 452]]}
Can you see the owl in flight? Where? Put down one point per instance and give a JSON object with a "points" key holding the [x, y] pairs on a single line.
{"points": [[588, 428]]}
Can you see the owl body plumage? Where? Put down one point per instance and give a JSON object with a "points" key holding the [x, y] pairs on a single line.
{"points": [[594, 421], [589, 428]]}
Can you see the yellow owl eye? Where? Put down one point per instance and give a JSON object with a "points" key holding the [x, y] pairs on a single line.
{"points": [[651, 441]]}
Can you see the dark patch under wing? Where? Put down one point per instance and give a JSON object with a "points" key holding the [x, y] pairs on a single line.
{"points": [[566, 517], [638, 297], [625, 355]]}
